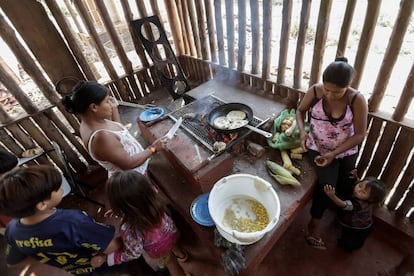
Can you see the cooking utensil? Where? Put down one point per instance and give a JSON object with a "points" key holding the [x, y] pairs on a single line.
{"points": [[151, 114], [173, 130], [224, 109], [143, 106]]}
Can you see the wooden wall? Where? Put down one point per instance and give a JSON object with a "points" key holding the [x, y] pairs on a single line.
{"points": [[54, 39]]}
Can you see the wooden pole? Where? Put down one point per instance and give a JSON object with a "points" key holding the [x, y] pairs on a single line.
{"points": [[320, 41], [99, 47], [201, 30], [73, 14], [346, 26], [365, 41], [219, 28], [126, 63], [230, 32], [300, 44], [193, 20], [284, 40], [391, 54], [211, 30], [267, 40], [406, 97], [190, 35], [242, 36], [254, 9], [70, 38], [184, 31], [175, 26]]}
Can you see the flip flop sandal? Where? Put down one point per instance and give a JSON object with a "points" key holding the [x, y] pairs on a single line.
{"points": [[315, 243]]}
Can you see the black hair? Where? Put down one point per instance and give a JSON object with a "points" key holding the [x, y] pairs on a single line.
{"points": [[8, 161], [84, 94], [378, 189], [23, 188], [338, 72], [133, 197]]}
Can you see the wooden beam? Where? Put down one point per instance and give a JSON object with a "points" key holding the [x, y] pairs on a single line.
{"points": [[391, 54], [242, 36], [255, 22], [175, 26], [267, 40], [345, 28], [219, 28], [211, 29], [406, 97], [367, 33], [284, 40], [300, 44], [230, 33], [320, 41], [201, 30]]}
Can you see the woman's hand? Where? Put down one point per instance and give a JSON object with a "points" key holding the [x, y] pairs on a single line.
{"points": [[324, 160], [303, 138]]}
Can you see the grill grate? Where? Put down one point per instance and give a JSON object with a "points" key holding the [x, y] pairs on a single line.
{"points": [[198, 127]]}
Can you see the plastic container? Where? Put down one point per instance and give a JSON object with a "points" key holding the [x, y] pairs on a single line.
{"points": [[242, 186]]}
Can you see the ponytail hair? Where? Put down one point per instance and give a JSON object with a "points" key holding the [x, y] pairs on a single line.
{"points": [[339, 72], [82, 95]]}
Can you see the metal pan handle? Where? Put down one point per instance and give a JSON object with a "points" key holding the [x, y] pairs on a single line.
{"points": [[260, 131]]}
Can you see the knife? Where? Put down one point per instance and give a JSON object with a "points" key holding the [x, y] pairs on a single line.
{"points": [[174, 129]]}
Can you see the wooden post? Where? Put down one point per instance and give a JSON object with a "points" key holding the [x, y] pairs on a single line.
{"points": [[175, 26], [193, 20], [31, 21], [190, 36], [70, 38], [254, 9], [320, 40], [405, 98], [99, 47], [365, 41], [300, 44], [126, 63], [346, 26], [219, 28], [267, 40], [211, 29], [201, 30], [391, 54], [242, 35], [184, 31], [230, 32], [284, 41]]}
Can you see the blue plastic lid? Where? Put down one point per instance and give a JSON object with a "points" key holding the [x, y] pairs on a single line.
{"points": [[151, 114], [199, 210]]}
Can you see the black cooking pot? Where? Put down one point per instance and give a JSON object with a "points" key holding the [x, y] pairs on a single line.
{"points": [[223, 110]]}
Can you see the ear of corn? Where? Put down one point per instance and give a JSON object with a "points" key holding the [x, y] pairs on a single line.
{"points": [[297, 156], [285, 158], [282, 175], [288, 132], [297, 150]]}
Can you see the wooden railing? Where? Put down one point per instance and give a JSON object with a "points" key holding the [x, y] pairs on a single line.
{"points": [[210, 43]]}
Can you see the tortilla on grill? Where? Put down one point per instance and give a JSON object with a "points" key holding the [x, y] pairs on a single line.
{"points": [[235, 115], [238, 124], [221, 122]]}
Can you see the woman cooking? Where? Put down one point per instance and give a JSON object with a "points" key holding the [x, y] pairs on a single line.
{"points": [[107, 141]]}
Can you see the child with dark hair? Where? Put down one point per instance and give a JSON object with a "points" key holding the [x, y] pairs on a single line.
{"points": [[146, 228], [63, 238], [356, 215], [338, 116], [8, 161]]}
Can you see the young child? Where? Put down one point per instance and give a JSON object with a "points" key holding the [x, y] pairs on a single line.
{"points": [[63, 238], [8, 161], [146, 228], [356, 215]]}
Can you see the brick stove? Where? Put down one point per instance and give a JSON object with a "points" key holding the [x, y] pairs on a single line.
{"points": [[191, 150]]}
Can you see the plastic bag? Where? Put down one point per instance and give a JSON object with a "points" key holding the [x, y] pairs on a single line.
{"points": [[281, 141]]}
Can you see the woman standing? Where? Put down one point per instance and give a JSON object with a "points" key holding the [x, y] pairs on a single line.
{"points": [[338, 123], [107, 141]]}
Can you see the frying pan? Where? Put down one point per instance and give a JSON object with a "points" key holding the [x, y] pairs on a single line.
{"points": [[223, 110]]}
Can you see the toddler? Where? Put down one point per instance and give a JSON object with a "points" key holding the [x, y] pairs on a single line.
{"points": [[356, 215]]}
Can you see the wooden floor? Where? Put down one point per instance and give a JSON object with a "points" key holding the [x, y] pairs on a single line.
{"points": [[291, 255]]}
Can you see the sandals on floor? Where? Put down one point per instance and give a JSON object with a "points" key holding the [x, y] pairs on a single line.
{"points": [[182, 258], [315, 243]]}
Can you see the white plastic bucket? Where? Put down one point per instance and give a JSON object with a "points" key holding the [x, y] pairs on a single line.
{"points": [[246, 186]]}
